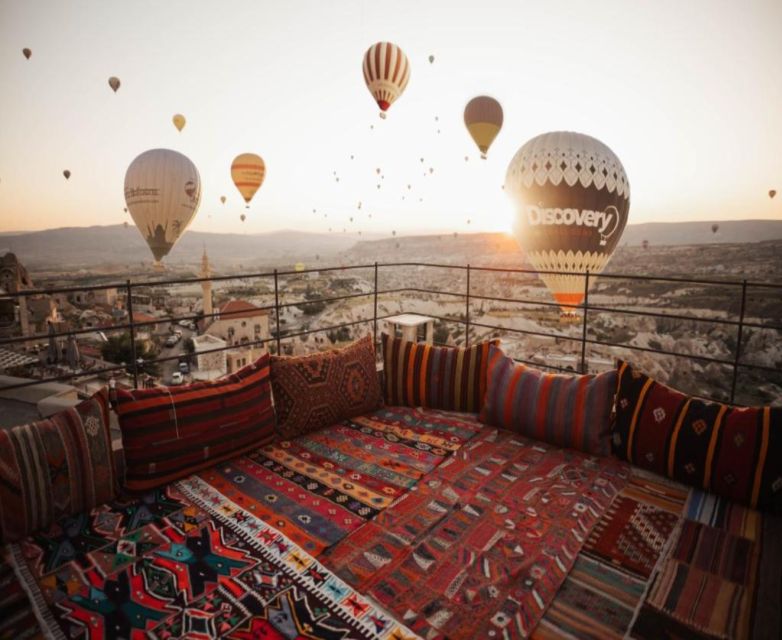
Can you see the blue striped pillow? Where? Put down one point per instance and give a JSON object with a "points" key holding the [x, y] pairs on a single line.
{"points": [[566, 410]]}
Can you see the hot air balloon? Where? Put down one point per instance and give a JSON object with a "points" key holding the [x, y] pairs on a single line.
{"points": [[125, 209], [377, 171], [645, 244], [179, 121], [67, 174], [772, 193], [573, 198], [483, 118], [114, 83], [299, 266], [386, 72], [125, 224], [714, 228], [248, 172], [431, 59], [27, 53], [242, 217], [222, 199], [162, 191]]}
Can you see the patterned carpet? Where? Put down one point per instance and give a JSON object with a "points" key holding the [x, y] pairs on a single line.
{"points": [[318, 488], [482, 545]]}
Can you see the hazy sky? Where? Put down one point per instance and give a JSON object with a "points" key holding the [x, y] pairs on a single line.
{"points": [[687, 94]]}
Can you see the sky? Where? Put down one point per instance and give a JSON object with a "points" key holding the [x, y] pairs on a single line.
{"points": [[687, 94]]}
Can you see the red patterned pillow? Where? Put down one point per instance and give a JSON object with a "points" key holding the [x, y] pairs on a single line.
{"points": [[56, 467], [171, 432], [317, 390], [735, 452], [422, 375], [567, 410]]}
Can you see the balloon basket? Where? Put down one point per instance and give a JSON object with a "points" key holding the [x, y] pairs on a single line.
{"points": [[382, 115], [158, 266], [483, 156], [569, 317]]}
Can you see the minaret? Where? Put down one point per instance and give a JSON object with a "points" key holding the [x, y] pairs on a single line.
{"points": [[206, 287]]}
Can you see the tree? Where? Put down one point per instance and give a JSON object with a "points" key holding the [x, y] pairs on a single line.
{"points": [[118, 350]]}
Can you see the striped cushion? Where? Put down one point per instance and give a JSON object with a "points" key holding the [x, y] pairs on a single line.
{"points": [[566, 410], [735, 452], [422, 375], [171, 432], [56, 467]]}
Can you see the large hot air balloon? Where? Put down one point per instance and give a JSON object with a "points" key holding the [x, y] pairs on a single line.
{"points": [[772, 193], [114, 83], [179, 121], [386, 72], [248, 171], [67, 174], [162, 191], [27, 53], [483, 118], [573, 198]]}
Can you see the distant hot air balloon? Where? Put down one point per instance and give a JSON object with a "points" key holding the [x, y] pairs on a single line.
{"points": [[242, 217], [393, 233], [431, 59], [248, 171], [222, 199], [27, 53], [125, 209], [573, 198], [179, 121], [714, 228], [125, 224], [645, 244], [377, 171], [114, 83], [299, 266], [67, 174], [386, 73], [162, 191], [483, 118], [772, 193]]}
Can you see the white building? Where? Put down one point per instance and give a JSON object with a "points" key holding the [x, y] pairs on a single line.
{"points": [[209, 365]]}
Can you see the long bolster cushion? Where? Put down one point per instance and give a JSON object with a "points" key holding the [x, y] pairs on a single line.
{"points": [[735, 452], [571, 411], [56, 467], [171, 432]]}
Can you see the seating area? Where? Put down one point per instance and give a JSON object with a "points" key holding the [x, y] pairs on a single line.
{"points": [[458, 495]]}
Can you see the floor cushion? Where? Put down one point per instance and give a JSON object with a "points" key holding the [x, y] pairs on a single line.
{"points": [[317, 390], [56, 467], [567, 410], [423, 375], [735, 452], [171, 432]]}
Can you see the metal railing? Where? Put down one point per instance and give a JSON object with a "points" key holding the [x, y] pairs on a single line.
{"points": [[468, 321]]}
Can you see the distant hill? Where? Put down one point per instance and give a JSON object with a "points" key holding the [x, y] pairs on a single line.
{"points": [[86, 247]]}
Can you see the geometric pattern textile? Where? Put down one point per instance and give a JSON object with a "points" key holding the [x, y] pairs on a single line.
{"points": [[422, 375], [55, 467], [181, 562], [317, 390], [480, 547], [566, 410], [318, 488], [170, 432], [735, 452]]}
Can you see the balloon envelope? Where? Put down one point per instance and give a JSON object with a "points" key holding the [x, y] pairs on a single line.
{"points": [[715, 228], [222, 199], [572, 197], [248, 172], [772, 193], [67, 174], [179, 121], [27, 53], [162, 191], [483, 119], [299, 266], [386, 73], [114, 83]]}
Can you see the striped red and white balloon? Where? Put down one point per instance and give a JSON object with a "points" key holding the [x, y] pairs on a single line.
{"points": [[386, 72], [248, 171]]}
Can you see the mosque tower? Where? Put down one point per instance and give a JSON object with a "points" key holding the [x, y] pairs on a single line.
{"points": [[206, 287]]}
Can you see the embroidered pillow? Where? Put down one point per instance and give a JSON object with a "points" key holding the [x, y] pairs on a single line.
{"points": [[171, 432], [422, 375], [735, 452], [56, 467], [566, 410], [318, 390]]}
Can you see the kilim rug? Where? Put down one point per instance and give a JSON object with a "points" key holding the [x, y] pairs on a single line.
{"points": [[181, 562], [483, 543], [318, 488]]}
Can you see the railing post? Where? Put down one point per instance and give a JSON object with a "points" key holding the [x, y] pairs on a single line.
{"points": [[467, 311], [584, 324], [737, 356], [131, 321], [374, 316], [277, 308]]}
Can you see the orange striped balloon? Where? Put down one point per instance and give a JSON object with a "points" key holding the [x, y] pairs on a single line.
{"points": [[386, 72], [248, 171]]}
